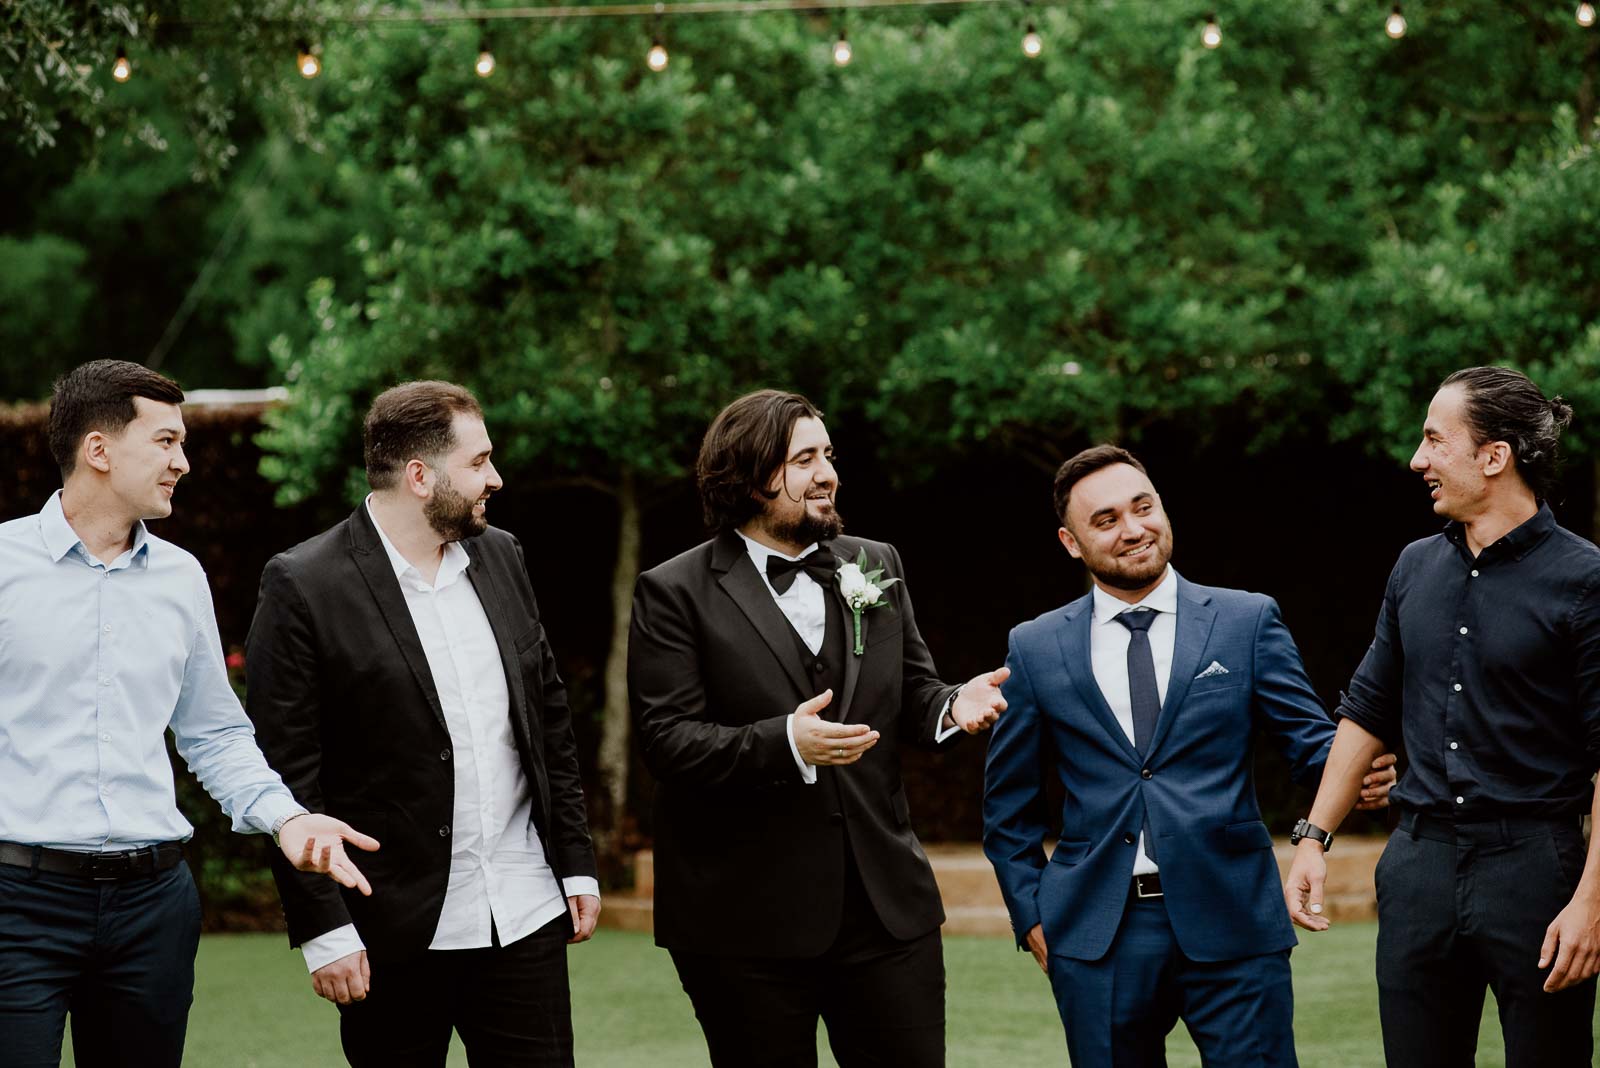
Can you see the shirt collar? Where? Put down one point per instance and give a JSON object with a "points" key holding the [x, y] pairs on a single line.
{"points": [[1164, 598], [454, 563], [60, 539], [1517, 542], [759, 552]]}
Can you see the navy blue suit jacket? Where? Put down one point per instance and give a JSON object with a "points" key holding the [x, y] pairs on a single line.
{"points": [[1223, 893]]}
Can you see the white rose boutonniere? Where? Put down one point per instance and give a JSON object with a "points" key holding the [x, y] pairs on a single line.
{"points": [[862, 589]]}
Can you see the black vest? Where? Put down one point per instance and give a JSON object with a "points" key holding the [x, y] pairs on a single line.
{"points": [[825, 668]]}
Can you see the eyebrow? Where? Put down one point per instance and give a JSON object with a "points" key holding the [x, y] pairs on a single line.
{"points": [[176, 432], [812, 448], [1112, 509]]}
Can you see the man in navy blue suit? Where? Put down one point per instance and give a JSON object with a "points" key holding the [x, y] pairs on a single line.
{"points": [[1161, 900]]}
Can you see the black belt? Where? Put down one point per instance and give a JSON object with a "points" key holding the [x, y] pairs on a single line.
{"points": [[1507, 829], [1147, 885], [99, 866]]}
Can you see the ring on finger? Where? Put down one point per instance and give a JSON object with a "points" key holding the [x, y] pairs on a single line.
{"points": [[838, 752]]}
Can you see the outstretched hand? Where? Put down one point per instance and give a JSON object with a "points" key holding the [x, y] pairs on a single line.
{"points": [[314, 842], [822, 741], [979, 703]]}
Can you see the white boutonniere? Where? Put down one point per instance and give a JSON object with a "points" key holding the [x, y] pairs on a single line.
{"points": [[862, 589]]}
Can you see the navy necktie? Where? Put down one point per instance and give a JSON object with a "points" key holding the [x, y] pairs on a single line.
{"points": [[1143, 694]]}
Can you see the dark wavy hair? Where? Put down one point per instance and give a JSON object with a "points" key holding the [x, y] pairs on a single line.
{"points": [[1084, 464], [747, 444], [1504, 405], [414, 420], [98, 395]]}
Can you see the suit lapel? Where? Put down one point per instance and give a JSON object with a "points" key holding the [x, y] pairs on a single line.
{"points": [[501, 623], [740, 581], [1073, 635], [852, 662], [373, 563], [1195, 618]]}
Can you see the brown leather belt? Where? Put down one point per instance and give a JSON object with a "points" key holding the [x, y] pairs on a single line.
{"points": [[125, 864]]}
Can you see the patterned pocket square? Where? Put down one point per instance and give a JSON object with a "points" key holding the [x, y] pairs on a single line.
{"points": [[1211, 672]]}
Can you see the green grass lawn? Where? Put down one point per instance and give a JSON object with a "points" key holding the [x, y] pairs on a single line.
{"points": [[254, 1007]]}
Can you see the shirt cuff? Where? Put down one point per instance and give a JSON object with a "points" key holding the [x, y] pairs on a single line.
{"points": [[579, 885], [808, 774], [274, 806], [941, 732], [324, 949]]}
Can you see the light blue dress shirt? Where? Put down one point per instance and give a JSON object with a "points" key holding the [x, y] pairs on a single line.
{"points": [[96, 663]]}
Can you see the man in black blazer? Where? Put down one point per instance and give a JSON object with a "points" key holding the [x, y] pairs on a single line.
{"points": [[399, 676], [771, 683]]}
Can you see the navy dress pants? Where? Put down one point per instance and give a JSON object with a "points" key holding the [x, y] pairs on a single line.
{"points": [[1464, 907], [118, 955], [1118, 1010]]}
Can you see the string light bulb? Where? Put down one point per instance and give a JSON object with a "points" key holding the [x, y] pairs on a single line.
{"points": [[1395, 24], [122, 70], [485, 64], [842, 52], [1211, 36], [1586, 14], [657, 57], [1031, 44], [306, 62]]}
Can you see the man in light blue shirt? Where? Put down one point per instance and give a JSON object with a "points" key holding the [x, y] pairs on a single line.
{"points": [[107, 639]]}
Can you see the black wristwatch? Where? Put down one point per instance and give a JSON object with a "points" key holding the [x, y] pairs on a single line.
{"points": [[1307, 829]]}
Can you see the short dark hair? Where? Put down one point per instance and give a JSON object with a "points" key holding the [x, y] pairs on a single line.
{"points": [[1086, 463], [414, 420], [747, 442], [1503, 404], [98, 395]]}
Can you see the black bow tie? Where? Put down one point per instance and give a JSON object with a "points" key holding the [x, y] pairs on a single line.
{"points": [[780, 572]]}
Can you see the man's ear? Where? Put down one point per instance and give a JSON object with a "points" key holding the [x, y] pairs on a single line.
{"points": [[1070, 542], [1496, 458], [94, 451], [417, 478]]}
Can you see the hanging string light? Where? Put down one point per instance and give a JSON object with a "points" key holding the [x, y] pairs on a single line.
{"points": [[842, 51], [1395, 24], [657, 57], [1031, 44], [1211, 35], [122, 70], [1585, 14], [485, 64], [306, 61]]}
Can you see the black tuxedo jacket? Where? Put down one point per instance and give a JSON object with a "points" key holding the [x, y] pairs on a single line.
{"points": [[749, 859], [346, 710]]}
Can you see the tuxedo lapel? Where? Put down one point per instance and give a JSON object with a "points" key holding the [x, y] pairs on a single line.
{"points": [[373, 563], [1195, 619], [1073, 634], [501, 623], [741, 582], [852, 662]]}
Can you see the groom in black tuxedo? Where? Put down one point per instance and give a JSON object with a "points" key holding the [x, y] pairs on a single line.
{"points": [[789, 884]]}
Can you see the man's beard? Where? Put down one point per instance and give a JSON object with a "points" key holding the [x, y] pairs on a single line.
{"points": [[450, 514], [808, 528], [1139, 578]]}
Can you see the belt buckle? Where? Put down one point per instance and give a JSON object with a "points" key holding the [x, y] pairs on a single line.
{"points": [[1138, 888], [104, 867]]}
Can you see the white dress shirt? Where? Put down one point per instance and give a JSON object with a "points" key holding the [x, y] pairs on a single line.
{"points": [[499, 877], [805, 606], [1108, 656], [98, 661]]}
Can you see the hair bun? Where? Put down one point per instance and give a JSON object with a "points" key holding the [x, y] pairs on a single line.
{"points": [[1561, 412]]}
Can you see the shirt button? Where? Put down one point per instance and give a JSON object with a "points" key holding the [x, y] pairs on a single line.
{"points": [[1146, 773], [105, 737], [107, 628], [444, 754], [1457, 687], [1455, 745], [1129, 839], [444, 832], [1474, 572], [1463, 630], [104, 681], [819, 667], [1461, 800]]}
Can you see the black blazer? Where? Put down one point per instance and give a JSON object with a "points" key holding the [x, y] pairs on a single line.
{"points": [[346, 710], [749, 860]]}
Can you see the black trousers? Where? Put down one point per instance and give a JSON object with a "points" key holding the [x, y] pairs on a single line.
{"points": [[118, 955], [510, 1004], [881, 999], [1464, 907]]}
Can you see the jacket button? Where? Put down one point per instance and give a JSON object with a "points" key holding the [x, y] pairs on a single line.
{"points": [[1147, 774], [1129, 838], [836, 818], [444, 832], [444, 754]]}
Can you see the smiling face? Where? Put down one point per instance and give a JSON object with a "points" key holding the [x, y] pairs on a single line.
{"points": [[457, 505], [1116, 526], [1455, 468], [142, 463], [802, 510]]}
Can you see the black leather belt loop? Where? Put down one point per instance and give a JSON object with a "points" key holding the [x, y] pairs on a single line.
{"points": [[99, 867], [1147, 885]]}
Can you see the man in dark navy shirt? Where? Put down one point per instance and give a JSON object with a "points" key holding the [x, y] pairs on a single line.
{"points": [[1486, 662]]}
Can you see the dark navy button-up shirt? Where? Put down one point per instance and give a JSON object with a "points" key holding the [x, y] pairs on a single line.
{"points": [[1489, 669]]}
